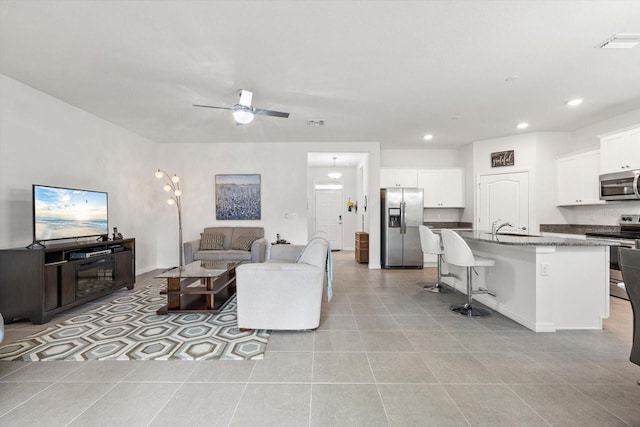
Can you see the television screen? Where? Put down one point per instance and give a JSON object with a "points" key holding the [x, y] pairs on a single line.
{"points": [[67, 213]]}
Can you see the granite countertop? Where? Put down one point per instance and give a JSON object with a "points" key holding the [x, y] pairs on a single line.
{"points": [[578, 228], [528, 240], [440, 225]]}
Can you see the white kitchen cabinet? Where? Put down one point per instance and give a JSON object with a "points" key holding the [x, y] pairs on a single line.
{"points": [[577, 179], [443, 188], [398, 178], [620, 152]]}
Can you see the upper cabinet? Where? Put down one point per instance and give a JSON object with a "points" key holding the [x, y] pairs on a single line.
{"points": [[398, 178], [577, 179], [443, 188], [620, 152]]}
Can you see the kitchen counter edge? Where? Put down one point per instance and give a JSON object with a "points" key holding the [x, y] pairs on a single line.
{"points": [[528, 240]]}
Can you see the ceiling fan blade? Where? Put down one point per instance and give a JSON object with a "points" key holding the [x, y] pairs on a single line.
{"points": [[261, 112], [245, 98], [211, 106]]}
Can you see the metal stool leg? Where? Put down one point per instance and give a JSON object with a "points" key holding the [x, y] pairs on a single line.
{"points": [[439, 287], [468, 309]]}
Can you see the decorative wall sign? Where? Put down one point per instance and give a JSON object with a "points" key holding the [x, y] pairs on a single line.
{"points": [[502, 158], [238, 197]]}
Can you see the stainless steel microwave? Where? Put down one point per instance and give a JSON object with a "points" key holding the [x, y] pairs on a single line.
{"points": [[620, 185]]}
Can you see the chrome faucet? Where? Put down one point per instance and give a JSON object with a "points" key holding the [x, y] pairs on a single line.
{"points": [[495, 230], [494, 224]]}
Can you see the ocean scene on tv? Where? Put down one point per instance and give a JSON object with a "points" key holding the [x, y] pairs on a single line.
{"points": [[63, 213]]}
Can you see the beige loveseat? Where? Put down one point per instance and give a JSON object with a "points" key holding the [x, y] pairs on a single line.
{"points": [[227, 243], [285, 292]]}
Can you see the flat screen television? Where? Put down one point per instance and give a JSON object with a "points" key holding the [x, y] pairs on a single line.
{"points": [[68, 213]]}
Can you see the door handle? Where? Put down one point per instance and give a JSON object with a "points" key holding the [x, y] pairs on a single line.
{"points": [[339, 219]]}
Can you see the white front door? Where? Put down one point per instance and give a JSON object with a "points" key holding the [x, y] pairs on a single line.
{"points": [[329, 215], [504, 197]]}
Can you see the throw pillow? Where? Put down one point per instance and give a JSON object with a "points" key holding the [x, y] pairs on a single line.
{"points": [[243, 242], [211, 241]]}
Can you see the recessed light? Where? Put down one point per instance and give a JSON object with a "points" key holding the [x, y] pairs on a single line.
{"points": [[574, 102], [315, 122], [621, 41], [522, 125], [428, 137]]}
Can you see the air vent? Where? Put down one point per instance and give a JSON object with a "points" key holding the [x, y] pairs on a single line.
{"points": [[621, 41], [315, 122]]}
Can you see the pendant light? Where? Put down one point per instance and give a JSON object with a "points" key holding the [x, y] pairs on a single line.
{"points": [[334, 174]]}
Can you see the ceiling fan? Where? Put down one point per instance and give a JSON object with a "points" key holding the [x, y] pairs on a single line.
{"points": [[243, 111]]}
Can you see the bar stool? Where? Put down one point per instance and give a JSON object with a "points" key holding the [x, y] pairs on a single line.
{"points": [[430, 243], [459, 253], [629, 260]]}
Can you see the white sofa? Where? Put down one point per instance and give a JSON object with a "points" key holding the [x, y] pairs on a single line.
{"points": [[285, 292]]}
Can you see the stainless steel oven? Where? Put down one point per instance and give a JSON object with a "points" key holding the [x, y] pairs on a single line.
{"points": [[627, 237]]}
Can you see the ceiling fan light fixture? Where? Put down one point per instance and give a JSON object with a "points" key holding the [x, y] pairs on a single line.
{"points": [[243, 117]]}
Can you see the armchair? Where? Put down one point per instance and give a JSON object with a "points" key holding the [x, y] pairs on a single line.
{"points": [[283, 293]]}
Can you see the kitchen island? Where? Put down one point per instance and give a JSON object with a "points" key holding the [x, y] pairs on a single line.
{"points": [[544, 283]]}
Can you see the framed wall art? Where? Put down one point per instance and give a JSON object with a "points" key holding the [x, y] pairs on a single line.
{"points": [[237, 197], [502, 158]]}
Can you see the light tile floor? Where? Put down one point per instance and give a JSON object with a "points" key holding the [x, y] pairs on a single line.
{"points": [[386, 353]]}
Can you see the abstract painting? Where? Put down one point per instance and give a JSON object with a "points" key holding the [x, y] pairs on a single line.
{"points": [[238, 197]]}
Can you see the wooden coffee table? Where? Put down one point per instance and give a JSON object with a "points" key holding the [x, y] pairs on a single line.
{"points": [[199, 287]]}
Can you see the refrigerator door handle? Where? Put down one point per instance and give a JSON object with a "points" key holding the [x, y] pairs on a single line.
{"points": [[403, 225]]}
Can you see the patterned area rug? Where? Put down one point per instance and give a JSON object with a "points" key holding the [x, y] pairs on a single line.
{"points": [[128, 328]]}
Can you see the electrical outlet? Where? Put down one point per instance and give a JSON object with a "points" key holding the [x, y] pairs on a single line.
{"points": [[544, 269]]}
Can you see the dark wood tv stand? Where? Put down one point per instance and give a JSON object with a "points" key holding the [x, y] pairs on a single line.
{"points": [[42, 282]]}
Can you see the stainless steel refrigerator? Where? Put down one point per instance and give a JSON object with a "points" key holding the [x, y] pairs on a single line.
{"points": [[402, 213]]}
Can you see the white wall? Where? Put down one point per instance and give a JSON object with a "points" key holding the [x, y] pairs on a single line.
{"points": [[46, 141], [427, 158], [587, 138], [534, 153], [284, 188], [550, 145], [466, 161], [525, 149]]}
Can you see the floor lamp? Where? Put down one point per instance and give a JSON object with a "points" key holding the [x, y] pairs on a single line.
{"points": [[173, 185]]}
